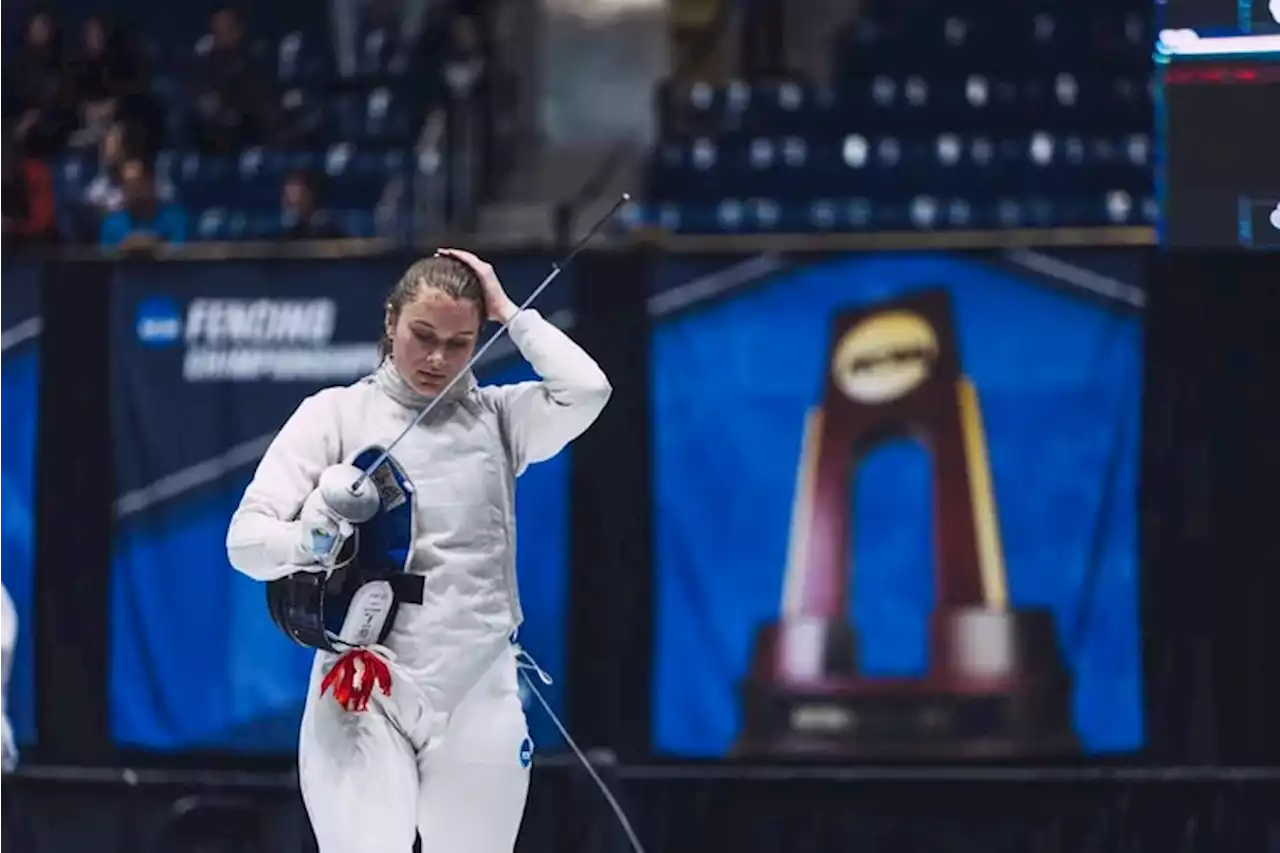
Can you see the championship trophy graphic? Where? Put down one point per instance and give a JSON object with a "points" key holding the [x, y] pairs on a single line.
{"points": [[996, 685]]}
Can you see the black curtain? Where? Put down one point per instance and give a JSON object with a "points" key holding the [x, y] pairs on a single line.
{"points": [[1210, 508], [611, 560], [74, 495]]}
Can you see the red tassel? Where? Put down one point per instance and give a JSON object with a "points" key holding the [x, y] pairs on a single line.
{"points": [[353, 678]]}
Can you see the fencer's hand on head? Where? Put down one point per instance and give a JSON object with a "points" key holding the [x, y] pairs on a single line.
{"points": [[322, 533], [499, 307]]}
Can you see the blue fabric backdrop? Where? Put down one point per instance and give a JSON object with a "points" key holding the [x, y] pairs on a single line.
{"points": [[1059, 383], [195, 661], [19, 401]]}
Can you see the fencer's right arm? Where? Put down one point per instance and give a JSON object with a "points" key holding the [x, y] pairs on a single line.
{"points": [[270, 532]]}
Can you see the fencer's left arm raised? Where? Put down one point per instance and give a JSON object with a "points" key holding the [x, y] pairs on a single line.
{"points": [[542, 417]]}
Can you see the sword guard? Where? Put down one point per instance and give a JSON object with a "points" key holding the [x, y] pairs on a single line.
{"points": [[349, 493]]}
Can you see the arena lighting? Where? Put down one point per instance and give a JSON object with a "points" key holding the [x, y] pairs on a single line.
{"points": [[855, 151], [1041, 148], [794, 151], [1119, 206], [924, 210], [766, 212], [822, 214], [889, 151], [761, 153], [1188, 43], [790, 96], [1150, 209], [948, 148]]}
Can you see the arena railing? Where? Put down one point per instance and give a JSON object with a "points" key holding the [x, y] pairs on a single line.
{"points": [[676, 244], [698, 808]]}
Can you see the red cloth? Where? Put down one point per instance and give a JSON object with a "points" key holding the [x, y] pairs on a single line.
{"points": [[353, 678]]}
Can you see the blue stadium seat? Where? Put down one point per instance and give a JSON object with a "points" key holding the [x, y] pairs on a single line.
{"points": [[977, 113]]}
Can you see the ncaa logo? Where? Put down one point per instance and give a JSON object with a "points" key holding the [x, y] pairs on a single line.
{"points": [[158, 322], [526, 752]]}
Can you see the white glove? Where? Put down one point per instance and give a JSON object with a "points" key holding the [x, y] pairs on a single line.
{"points": [[322, 533], [10, 757]]}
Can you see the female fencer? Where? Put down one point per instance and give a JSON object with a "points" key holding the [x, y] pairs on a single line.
{"points": [[441, 746]]}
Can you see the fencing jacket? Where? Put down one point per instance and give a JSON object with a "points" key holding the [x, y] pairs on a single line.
{"points": [[462, 460]]}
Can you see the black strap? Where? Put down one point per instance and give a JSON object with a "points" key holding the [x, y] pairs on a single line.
{"points": [[407, 588]]}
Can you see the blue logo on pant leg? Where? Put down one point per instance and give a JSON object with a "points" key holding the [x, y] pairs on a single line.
{"points": [[526, 752]]}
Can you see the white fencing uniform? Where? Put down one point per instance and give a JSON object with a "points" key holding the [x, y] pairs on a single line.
{"points": [[445, 754]]}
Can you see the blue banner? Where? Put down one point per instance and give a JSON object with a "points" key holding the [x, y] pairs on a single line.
{"points": [[19, 391], [1052, 347], [208, 362]]}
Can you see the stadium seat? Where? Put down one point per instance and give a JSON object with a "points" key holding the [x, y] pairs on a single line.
{"points": [[992, 114]]}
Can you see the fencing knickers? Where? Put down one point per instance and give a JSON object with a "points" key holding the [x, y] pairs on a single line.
{"points": [[372, 780]]}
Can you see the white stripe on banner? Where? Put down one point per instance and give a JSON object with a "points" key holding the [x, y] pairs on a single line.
{"points": [[681, 296], [21, 333], [248, 452], [193, 477], [1079, 277], [713, 285]]}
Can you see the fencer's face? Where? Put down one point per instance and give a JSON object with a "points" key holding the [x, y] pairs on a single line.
{"points": [[432, 339]]}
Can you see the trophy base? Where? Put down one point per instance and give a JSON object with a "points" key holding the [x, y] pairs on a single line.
{"points": [[996, 690], [902, 718]]}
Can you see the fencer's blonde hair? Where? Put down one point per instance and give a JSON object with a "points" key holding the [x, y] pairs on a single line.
{"points": [[448, 275]]}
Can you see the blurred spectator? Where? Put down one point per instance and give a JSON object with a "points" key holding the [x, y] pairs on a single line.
{"points": [[233, 92], [143, 222], [37, 89], [406, 20], [464, 57], [465, 80], [111, 81], [301, 214], [123, 140], [104, 193], [30, 216]]}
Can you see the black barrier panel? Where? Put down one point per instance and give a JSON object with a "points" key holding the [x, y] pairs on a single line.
{"points": [[1211, 462], [74, 483], [676, 810], [612, 505]]}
